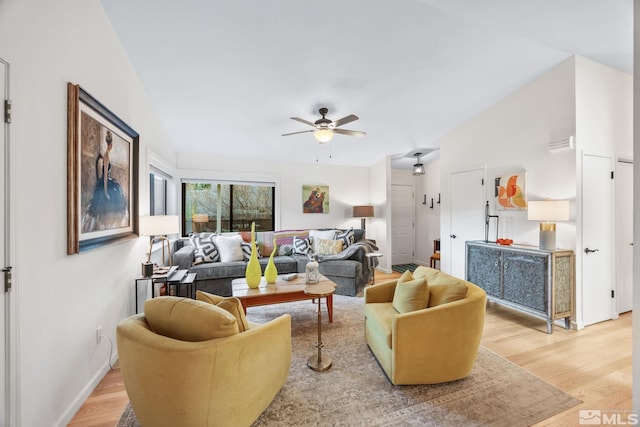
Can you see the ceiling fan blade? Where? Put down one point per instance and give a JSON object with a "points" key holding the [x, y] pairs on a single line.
{"points": [[350, 132], [348, 119], [306, 122], [295, 133]]}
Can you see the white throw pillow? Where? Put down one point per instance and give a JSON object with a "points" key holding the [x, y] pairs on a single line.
{"points": [[230, 248]]}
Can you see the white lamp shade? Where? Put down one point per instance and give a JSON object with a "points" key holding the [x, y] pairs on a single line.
{"points": [[548, 210], [159, 225]]}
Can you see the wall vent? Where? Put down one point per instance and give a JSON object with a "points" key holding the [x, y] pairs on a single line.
{"points": [[562, 145]]}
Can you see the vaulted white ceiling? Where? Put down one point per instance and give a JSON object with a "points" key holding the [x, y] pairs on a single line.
{"points": [[225, 76]]}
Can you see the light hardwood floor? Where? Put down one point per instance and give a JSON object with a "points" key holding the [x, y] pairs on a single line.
{"points": [[593, 365]]}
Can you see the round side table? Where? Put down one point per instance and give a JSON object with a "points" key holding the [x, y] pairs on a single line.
{"points": [[319, 362]]}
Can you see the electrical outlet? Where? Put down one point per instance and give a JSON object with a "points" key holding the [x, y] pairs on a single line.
{"points": [[98, 334]]}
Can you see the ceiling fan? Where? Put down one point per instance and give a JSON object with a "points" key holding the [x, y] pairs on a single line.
{"points": [[325, 128]]}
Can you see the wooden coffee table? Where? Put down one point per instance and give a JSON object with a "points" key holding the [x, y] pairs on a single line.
{"points": [[281, 291]]}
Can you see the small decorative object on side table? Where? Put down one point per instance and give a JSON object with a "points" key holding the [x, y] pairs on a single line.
{"points": [[312, 272], [319, 362]]}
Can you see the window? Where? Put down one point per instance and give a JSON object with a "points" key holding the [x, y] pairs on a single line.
{"points": [[158, 192], [221, 207]]}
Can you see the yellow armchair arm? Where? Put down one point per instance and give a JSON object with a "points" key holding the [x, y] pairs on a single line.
{"points": [[382, 292]]}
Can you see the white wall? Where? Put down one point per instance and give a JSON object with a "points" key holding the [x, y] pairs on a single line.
{"points": [[61, 299], [604, 109], [380, 194], [636, 206], [513, 135]]}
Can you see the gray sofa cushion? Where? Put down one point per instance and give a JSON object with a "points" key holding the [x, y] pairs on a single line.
{"points": [[216, 270], [284, 264], [341, 268]]}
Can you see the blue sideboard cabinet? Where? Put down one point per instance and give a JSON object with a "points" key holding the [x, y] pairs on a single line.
{"points": [[525, 278]]}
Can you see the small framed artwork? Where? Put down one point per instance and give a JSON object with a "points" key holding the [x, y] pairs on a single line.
{"points": [[102, 174], [510, 192], [315, 199]]}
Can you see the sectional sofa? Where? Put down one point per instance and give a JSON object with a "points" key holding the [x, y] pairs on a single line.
{"points": [[217, 260]]}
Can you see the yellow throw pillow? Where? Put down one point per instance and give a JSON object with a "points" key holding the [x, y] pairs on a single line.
{"points": [[188, 320], [444, 293], [411, 296], [427, 273], [406, 277], [327, 247], [231, 304]]}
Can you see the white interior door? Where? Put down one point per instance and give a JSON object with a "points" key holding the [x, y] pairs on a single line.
{"points": [[402, 219], [4, 246], [467, 215], [597, 239], [624, 224]]}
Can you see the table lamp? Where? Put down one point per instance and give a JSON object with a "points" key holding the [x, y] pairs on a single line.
{"points": [[363, 212], [548, 211], [157, 227]]}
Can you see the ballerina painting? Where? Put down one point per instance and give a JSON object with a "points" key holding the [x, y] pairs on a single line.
{"points": [[108, 207], [102, 175]]}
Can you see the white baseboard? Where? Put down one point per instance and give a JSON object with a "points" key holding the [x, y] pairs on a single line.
{"points": [[86, 391]]}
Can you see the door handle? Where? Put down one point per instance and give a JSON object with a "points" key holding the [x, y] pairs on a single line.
{"points": [[453, 236], [587, 250]]}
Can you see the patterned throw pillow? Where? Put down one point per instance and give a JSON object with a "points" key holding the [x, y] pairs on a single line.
{"points": [[246, 250], [348, 237], [327, 247], [284, 240], [302, 246], [205, 249]]}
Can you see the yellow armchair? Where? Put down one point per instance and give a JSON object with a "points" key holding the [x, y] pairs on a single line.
{"points": [[428, 346], [193, 381]]}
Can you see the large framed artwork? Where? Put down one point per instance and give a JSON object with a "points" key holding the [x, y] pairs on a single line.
{"points": [[315, 199], [511, 192], [102, 174]]}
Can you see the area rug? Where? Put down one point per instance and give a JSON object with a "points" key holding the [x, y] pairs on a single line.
{"points": [[401, 268], [356, 392]]}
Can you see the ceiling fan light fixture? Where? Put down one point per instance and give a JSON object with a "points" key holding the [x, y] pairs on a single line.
{"points": [[418, 168], [323, 135]]}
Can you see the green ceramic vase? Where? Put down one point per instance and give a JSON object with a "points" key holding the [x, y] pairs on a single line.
{"points": [[271, 272], [253, 274]]}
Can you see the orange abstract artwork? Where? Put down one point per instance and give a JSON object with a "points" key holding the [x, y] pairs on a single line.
{"points": [[510, 192]]}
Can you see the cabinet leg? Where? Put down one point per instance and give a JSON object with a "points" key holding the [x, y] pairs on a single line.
{"points": [[549, 327], [567, 323]]}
